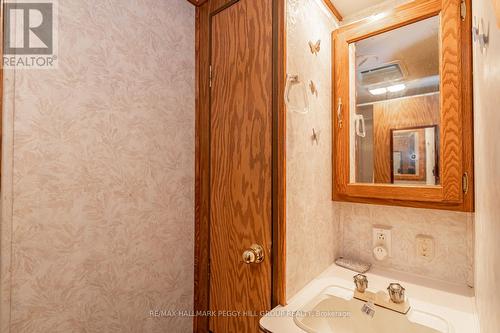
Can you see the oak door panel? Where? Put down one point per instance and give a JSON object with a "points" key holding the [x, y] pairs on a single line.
{"points": [[240, 162]]}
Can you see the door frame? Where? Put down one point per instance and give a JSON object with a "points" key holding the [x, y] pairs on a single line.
{"points": [[204, 14]]}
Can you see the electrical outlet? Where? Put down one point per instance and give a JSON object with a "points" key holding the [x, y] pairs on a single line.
{"points": [[425, 247], [382, 237]]}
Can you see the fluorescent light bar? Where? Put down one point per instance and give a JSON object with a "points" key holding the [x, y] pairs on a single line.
{"points": [[379, 16], [378, 91], [396, 88]]}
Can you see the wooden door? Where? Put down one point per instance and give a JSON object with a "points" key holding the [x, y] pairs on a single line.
{"points": [[240, 163]]}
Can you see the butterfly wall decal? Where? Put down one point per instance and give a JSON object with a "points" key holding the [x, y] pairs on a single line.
{"points": [[315, 136], [314, 89], [315, 47]]}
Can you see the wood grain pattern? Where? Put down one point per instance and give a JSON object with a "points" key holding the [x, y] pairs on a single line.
{"points": [[1, 85], [467, 104], [408, 202], [216, 5], [279, 152], [451, 102], [202, 163], [333, 9], [198, 2], [397, 114], [202, 281], [340, 135], [396, 192], [454, 106], [202, 170], [240, 162]]}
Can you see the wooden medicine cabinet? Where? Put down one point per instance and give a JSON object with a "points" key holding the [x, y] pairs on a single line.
{"points": [[402, 107]]}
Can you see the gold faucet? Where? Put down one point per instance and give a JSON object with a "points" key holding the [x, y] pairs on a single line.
{"points": [[396, 293], [395, 300], [361, 282]]}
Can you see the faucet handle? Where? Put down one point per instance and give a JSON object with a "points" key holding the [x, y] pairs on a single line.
{"points": [[361, 282], [396, 293]]}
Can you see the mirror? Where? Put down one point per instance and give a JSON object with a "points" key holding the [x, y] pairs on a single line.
{"points": [[402, 112], [395, 106], [414, 156]]}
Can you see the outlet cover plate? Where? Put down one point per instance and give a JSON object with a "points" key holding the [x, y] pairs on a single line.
{"points": [[381, 236], [425, 247]]}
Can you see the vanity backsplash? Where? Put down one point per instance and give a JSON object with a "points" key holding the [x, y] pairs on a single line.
{"points": [[451, 232]]}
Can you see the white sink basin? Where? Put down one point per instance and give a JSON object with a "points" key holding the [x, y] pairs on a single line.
{"points": [[335, 311]]}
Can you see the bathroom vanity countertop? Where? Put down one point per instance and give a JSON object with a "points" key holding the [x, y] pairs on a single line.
{"points": [[451, 302]]}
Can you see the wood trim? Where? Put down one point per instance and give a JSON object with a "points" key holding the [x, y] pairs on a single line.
{"points": [[1, 79], [456, 143], [336, 147], [451, 102], [467, 102], [333, 9], [279, 155], [396, 192], [402, 202], [402, 15], [496, 9], [197, 2], [202, 168]]}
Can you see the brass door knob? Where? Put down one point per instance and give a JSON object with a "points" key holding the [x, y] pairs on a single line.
{"points": [[254, 255]]}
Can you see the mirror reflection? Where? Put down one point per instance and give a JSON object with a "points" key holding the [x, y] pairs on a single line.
{"points": [[395, 106], [414, 156]]}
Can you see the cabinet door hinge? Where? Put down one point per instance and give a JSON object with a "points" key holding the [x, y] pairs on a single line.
{"points": [[210, 77], [465, 183], [463, 10]]}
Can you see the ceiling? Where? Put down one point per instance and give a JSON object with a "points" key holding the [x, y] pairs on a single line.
{"points": [[415, 47], [351, 7]]}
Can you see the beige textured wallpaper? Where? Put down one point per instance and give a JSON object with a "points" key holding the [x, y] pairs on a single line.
{"points": [[312, 228], [487, 164], [452, 233], [318, 230], [97, 219]]}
